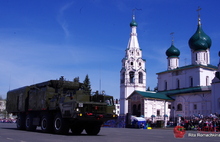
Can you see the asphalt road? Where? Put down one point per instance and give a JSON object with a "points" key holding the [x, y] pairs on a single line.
{"points": [[9, 133]]}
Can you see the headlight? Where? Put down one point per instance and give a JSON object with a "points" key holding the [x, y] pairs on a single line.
{"points": [[77, 109], [113, 111]]}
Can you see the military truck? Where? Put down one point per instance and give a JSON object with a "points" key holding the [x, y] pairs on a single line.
{"points": [[59, 105]]}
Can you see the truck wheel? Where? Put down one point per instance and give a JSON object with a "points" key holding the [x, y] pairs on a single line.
{"points": [[60, 125], [29, 123], [92, 129], [77, 129], [46, 124], [21, 122]]}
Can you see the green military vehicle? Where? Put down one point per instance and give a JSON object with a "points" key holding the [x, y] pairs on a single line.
{"points": [[59, 105]]}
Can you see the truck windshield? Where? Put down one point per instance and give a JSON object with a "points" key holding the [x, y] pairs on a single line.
{"points": [[109, 101]]}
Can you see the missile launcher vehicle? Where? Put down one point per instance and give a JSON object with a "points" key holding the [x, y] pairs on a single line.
{"points": [[58, 106]]}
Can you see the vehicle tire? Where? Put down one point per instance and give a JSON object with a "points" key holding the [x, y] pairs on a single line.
{"points": [[92, 129], [46, 124], [21, 121], [60, 124], [77, 129], [29, 123]]}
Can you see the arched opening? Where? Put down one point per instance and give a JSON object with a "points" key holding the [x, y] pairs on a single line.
{"points": [[140, 77], [131, 75], [134, 109], [179, 107], [191, 81]]}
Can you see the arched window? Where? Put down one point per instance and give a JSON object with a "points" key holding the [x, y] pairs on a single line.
{"points": [[190, 81], [140, 77], [131, 75], [207, 80], [165, 85], [140, 64], [177, 83], [179, 107], [158, 112], [123, 78]]}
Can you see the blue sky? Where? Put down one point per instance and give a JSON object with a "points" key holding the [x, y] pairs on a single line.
{"points": [[45, 39]]}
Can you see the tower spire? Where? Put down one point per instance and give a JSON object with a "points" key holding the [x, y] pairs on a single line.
{"points": [[133, 14], [199, 20]]}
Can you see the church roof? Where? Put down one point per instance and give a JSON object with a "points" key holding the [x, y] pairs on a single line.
{"points": [[151, 94], [187, 90], [209, 66], [166, 95]]}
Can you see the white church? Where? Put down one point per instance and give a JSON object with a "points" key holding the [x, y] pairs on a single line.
{"points": [[181, 92]]}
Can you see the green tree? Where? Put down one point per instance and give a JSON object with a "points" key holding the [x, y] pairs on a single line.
{"points": [[87, 86], [156, 89], [76, 79]]}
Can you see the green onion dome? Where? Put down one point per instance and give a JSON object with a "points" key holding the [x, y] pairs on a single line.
{"points": [[133, 22], [172, 51], [200, 40]]}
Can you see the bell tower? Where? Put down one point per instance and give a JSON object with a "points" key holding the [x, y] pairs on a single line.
{"points": [[133, 72]]}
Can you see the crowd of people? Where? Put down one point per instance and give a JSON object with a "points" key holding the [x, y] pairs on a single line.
{"points": [[210, 123], [7, 120]]}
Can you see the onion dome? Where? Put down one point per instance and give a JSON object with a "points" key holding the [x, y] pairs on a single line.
{"points": [[172, 51], [200, 40], [133, 22]]}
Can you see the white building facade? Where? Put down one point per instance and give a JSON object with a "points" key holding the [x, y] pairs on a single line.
{"points": [[149, 104], [215, 91], [185, 91], [190, 85]]}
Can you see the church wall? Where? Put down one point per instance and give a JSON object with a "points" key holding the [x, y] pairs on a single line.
{"points": [[193, 104], [158, 108], [206, 77], [178, 79], [216, 97], [125, 92]]}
